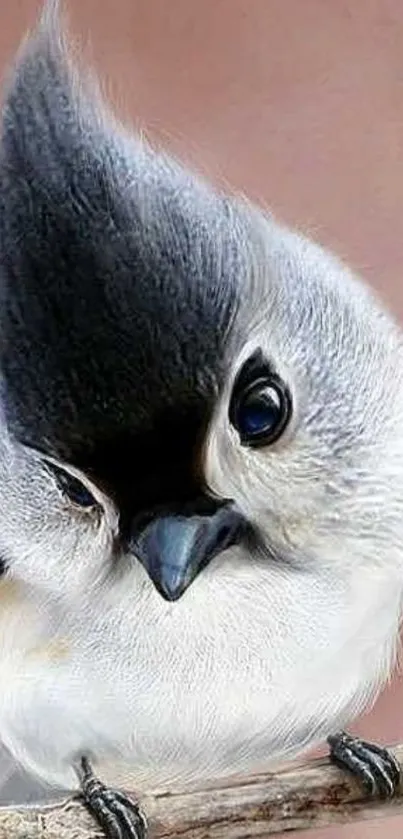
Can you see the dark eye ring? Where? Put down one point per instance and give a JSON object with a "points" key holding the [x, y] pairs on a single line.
{"points": [[72, 487], [260, 410]]}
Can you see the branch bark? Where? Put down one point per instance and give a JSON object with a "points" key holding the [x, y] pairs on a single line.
{"points": [[313, 794]]}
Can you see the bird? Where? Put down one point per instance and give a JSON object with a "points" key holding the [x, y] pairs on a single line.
{"points": [[201, 465]]}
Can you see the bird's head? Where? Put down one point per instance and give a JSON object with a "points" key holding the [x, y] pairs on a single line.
{"points": [[183, 380]]}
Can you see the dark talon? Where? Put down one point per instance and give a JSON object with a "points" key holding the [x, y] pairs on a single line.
{"points": [[118, 816], [376, 768]]}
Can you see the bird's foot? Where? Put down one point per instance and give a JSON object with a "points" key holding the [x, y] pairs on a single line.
{"points": [[376, 768], [117, 815]]}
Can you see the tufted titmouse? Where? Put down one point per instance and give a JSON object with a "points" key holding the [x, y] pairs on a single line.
{"points": [[201, 465]]}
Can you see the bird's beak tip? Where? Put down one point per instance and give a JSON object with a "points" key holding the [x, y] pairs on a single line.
{"points": [[174, 549]]}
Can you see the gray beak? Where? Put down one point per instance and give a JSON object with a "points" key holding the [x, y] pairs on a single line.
{"points": [[174, 548]]}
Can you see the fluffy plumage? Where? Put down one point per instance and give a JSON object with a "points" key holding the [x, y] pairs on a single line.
{"points": [[131, 293]]}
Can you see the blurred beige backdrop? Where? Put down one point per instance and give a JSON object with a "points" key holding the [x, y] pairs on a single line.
{"points": [[299, 103]]}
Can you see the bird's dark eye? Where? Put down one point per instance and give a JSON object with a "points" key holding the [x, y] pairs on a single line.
{"points": [[72, 487], [260, 407]]}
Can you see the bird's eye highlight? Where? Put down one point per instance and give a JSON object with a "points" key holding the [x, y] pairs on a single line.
{"points": [[260, 407], [73, 488]]}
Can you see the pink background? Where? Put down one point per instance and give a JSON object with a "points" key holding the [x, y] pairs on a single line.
{"points": [[299, 103]]}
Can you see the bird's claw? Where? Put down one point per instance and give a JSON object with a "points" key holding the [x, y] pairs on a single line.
{"points": [[376, 768], [117, 815]]}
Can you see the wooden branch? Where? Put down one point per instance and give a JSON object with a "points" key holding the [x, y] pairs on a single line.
{"points": [[313, 794]]}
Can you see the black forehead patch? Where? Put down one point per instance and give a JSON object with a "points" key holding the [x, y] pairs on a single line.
{"points": [[120, 277]]}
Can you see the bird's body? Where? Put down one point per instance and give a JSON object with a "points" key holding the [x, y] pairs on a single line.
{"points": [[138, 308], [197, 707]]}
